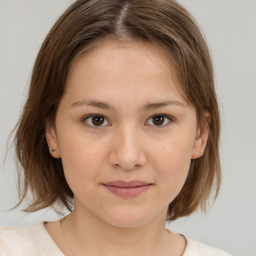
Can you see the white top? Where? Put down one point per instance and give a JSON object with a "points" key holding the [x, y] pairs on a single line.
{"points": [[34, 240]]}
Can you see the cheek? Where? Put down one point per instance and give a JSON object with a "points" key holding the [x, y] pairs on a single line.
{"points": [[81, 161], [172, 161]]}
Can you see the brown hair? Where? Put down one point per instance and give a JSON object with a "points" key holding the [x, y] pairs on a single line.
{"points": [[84, 24]]}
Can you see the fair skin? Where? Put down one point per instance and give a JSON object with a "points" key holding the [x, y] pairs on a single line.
{"points": [[144, 130]]}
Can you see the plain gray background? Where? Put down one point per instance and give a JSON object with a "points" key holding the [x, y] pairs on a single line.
{"points": [[230, 29]]}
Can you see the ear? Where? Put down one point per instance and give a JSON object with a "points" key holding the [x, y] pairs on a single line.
{"points": [[52, 139], [201, 137]]}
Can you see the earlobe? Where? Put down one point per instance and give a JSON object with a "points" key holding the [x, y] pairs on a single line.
{"points": [[201, 138], [52, 140]]}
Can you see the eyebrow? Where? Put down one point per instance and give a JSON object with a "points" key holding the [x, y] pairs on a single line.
{"points": [[148, 106]]}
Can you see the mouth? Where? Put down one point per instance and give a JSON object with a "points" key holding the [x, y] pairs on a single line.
{"points": [[127, 189]]}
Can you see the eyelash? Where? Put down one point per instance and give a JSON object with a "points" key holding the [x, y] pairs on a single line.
{"points": [[86, 118]]}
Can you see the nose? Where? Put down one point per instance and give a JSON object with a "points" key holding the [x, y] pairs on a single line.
{"points": [[127, 151]]}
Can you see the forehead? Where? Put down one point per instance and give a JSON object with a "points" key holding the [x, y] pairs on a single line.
{"points": [[124, 64], [106, 52]]}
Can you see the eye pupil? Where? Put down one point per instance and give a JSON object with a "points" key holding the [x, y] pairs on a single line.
{"points": [[158, 120], [97, 120]]}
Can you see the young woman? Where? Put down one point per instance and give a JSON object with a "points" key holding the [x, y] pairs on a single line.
{"points": [[121, 126]]}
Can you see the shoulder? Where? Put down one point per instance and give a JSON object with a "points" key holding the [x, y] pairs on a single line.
{"points": [[196, 248], [17, 240], [30, 240]]}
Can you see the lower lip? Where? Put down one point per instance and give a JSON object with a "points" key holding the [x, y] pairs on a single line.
{"points": [[128, 192]]}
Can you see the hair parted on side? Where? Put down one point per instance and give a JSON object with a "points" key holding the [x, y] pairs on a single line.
{"points": [[83, 25]]}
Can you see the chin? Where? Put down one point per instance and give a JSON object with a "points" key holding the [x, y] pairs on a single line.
{"points": [[128, 219]]}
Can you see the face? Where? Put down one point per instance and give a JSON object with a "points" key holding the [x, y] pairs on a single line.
{"points": [[125, 134]]}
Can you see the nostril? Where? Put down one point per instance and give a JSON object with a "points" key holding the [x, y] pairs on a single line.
{"points": [[127, 167], [126, 152]]}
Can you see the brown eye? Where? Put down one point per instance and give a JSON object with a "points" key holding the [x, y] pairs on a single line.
{"points": [[95, 121], [98, 120], [159, 120]]}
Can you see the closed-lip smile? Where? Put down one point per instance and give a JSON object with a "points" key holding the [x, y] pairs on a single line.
{"points": [[127, 189]]}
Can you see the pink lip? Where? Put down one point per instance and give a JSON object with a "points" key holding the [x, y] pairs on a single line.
{"points": [[127, 189]]}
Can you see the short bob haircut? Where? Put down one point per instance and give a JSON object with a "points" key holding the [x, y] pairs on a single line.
{"points": [[83, 25]]}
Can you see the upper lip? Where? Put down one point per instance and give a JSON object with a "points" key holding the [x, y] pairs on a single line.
{"points": [[127, 184]]}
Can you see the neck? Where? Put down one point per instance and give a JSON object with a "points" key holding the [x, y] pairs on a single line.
{"points": [[87, 234]]}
